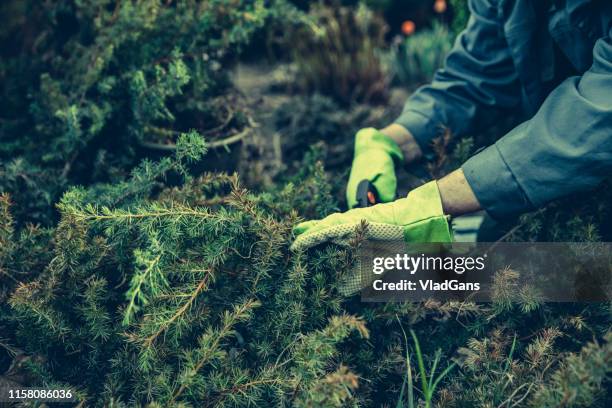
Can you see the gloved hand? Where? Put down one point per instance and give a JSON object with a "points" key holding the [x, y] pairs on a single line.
{"points": [[373, 160], [417, 218]]}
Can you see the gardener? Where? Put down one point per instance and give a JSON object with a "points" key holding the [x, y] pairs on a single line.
{"points": [[550, 61]]}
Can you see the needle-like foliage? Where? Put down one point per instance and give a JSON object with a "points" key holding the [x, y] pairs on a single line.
{"points": [[189, 296]]}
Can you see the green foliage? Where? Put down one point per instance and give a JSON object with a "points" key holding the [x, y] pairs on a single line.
{"points": [[578, 218], [190, 147], [428, 382], [187, 294], [449, 154], [333, 390], [495, 364], [461, 14], [338, 56], [35, 188], [85, 83], [578, 380], [415, 59]]}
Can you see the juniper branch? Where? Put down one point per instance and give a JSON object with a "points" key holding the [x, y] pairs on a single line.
{"points": [[209, 344], [201, 287]]}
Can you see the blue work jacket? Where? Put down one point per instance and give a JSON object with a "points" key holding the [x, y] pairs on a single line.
{"points": [[550, 61]]}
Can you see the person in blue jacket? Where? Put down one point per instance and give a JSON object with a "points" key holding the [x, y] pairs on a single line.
{"points": [[550, 61]]}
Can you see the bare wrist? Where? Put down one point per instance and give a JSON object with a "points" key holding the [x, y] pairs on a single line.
{"points": [[404, 139], [456, 194]]}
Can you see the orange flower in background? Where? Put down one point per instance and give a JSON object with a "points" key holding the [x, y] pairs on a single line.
{"points": [[408, 27], [440, 6]]}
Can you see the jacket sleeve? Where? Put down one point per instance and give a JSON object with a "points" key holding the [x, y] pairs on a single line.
{"points": [[477, 83], [565, 148]]}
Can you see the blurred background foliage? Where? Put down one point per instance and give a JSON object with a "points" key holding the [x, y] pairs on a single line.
{"points": [[89, 88], [84, 83], [340, 58], [414, 60]]}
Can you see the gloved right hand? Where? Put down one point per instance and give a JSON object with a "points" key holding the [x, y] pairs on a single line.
{"points": [[418, 218], [374, 160]]}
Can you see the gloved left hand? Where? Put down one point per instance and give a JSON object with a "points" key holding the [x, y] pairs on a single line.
{"points": [[374, 160], [417, 218]]}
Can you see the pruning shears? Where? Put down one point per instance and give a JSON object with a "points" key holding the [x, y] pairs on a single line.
{"points": [[367, 195]]}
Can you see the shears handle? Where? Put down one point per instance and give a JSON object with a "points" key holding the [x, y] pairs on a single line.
{"points": [[367, 195]]}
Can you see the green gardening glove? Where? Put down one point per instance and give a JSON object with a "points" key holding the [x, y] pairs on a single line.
{"points": [[417, 218], [373, 160]]}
